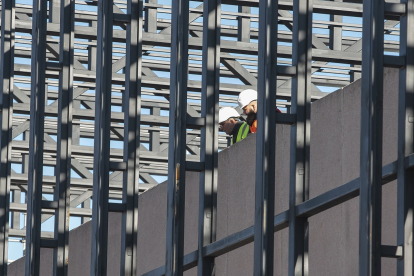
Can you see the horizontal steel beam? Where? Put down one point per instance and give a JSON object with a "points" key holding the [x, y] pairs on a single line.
{"points": [[392, 10], [390, 251], [78, 212]]}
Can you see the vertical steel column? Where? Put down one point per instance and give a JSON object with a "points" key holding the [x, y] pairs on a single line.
{"points": [[91, 66], [75, 139], [335, 32], [36, 143], [92, 54], [177, 138], [265, 140], [353, 75], [151, 17], [243, 31], [132, 111], [209, 134], [371, 138], [15, 223], [155, 134], [54, 11], [25, 170], [64, 138], [6, 98], [102, 139], [300, 135], [86, 205], [76, 104], [405, 194]]}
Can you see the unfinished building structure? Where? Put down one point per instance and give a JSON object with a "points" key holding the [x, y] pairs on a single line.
{"points": [[100, 98]]}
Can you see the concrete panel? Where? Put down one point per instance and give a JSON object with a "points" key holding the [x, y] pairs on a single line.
{"points": [[80, 250], [236, 195], [151, 224], [191, 211], [114, 243], [326, 144], [16, 268], [46, 258], [335, 140], [236, 200], [191, 215]]}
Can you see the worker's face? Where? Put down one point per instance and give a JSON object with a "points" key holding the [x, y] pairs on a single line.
{"points": [[227, 126], [250, 108]]}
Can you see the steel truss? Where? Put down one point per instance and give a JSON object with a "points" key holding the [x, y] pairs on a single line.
{"points": [[109, 72]]}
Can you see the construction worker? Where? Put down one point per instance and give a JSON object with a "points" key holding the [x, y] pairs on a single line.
{"points": [[248, 102], [229, 121]]}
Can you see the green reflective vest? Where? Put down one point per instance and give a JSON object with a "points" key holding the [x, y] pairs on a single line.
{"points": [[241, 133]]}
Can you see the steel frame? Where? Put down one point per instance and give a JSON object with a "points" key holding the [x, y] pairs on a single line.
{"points": [[371, 139], [99, 73]]}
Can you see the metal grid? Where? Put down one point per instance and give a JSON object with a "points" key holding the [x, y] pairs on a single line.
{"points": [[108, 72]]}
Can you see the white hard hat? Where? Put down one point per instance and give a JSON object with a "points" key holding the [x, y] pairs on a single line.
{"points": [[246, 97], [226, 113]]}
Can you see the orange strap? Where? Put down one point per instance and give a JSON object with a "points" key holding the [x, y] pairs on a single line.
{"points": [[253, 128]]}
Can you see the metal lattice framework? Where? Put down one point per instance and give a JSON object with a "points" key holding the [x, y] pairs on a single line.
{"points": [[98, 98]]}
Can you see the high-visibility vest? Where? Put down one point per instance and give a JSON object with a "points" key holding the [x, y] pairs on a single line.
{"points": [[241, 133]]}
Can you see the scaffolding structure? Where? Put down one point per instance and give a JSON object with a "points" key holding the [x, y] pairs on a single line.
{"points": [[100, 98]]}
